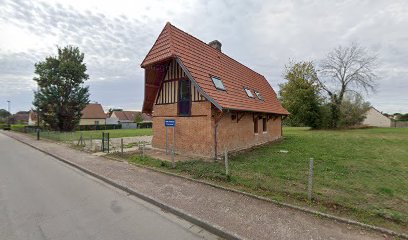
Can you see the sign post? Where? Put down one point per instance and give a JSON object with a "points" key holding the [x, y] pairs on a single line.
{"points": [[172, 124]]}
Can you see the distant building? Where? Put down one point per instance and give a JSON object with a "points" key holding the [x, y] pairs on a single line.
{"points": [[127, 118], [375, 118], [32, 118], [93, 114], [20, 117]]}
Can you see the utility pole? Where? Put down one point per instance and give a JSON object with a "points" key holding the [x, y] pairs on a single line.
{"points": [[8, 109]]}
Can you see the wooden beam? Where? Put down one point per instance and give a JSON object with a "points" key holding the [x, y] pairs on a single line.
{"points": [[239, 117]]}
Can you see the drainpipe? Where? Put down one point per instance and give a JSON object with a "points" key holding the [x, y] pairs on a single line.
{"points": [[216, 121]]}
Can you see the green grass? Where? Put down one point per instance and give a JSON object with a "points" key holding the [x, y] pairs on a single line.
{"points": [[96, 134], [361, 174]]}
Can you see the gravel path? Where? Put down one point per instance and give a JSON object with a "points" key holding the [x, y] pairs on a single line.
{"points": [[245, 216]]}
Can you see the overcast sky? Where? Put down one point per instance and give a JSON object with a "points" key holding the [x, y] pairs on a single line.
{"points": [[264, 35]]}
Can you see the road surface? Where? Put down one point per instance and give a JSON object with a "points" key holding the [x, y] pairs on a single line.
{"points": [[42, 198]]}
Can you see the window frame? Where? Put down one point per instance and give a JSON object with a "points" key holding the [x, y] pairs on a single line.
{"points": [[215, 85], [256, 126], [258, 95], [264, 125], [248, 90]]}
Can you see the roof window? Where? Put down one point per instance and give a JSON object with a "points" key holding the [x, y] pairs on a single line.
{"points": [[218, 83], [248, 92], [258, 94]]}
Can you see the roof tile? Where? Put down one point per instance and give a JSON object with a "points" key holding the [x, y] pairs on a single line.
{"points": [[202, 61]]}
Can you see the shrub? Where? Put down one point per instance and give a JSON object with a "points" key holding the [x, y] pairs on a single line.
{"points": [[145, 125], [18, 127]]}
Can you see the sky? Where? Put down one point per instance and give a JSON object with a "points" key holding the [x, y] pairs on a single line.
{"points": [[116, 35]]}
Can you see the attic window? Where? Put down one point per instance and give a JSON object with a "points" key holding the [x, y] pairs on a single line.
{"points": [[248, 92], [258, 94], [218, 83]]}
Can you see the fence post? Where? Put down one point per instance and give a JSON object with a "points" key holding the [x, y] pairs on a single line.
{"points": [[143, 150], [226, 162], [310, 183], [121, 145], [173, 163], [91, 144], [38, 134], [108, 142]]}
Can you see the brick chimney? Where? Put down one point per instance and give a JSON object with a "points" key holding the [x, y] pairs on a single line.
{"points": [[215, 44]]}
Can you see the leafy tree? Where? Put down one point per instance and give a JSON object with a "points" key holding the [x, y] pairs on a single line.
{"points": [[61, 96], [138, 117], [300, 95], [346, 69], [4, 114], [353, 110]]}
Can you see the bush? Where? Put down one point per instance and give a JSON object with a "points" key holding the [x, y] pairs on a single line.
{"points": [[98, 127], [18, 127]]}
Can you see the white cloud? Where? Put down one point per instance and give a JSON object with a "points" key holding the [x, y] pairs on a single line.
{"points": [[116, 35]]}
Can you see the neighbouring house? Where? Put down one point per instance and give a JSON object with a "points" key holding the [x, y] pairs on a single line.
{"points": [[127, 118], [217, 102], [32, 118], [375, 118], [93, 114], [20, 117]]}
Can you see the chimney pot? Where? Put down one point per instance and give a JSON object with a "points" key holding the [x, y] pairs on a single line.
{"points": [[215, 44]]}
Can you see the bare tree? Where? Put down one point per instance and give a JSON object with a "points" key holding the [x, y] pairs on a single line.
{"points": [[346, 69]]}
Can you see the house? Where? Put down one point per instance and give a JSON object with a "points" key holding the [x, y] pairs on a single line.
{"points": [[124, 116], [127, 118], [32, 118], [20, 117], [93, 114], [375, 118], [216, 102]]}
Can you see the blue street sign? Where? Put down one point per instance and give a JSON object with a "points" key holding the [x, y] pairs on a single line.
{"points": [[170, 122]]}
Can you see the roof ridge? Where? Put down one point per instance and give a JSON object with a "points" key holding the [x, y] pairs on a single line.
{"points": [[168, 24], [213, 49]]}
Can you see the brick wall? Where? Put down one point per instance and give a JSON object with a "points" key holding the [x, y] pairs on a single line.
{"points": [[193, 134], [239, 135]]}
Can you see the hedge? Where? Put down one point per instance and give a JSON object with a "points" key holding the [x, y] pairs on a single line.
{"points": [[145, 125], [18, 127]]}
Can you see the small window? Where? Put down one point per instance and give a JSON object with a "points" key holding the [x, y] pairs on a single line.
{"points": [[258, 94], [96, 122], [264, 125], [248, 92], [256, 125], [218, 83]]}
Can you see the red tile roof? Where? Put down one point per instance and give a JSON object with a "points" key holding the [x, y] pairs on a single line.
{"points": [[93, 111], [203, 61], [125, 115]]}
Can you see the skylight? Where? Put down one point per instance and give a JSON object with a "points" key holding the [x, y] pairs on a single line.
{"points": [[258, 94], [248, 92], [218, 83]]}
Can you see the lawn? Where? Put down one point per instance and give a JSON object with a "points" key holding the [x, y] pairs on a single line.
{"points": [[360, 174], [96, 134]]}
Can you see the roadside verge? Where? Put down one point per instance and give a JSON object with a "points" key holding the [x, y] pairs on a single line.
{"points": [[237, 215]]}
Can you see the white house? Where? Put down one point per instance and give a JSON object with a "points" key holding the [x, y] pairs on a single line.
{"points": [[375, 118]]}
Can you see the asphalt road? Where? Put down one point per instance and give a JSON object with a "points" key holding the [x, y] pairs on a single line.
{"points": [[42, 198]]}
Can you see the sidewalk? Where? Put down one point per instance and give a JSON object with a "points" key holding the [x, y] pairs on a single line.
{"points": [[240, 215]]}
